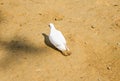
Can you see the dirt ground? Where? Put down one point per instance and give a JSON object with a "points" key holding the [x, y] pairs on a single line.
{"points": [[91, 28]]}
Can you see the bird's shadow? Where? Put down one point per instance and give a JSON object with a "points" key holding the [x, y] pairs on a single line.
{"points": [[48, 43]]}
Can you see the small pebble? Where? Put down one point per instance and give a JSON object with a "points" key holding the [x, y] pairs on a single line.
{"points": [[117, 22], [1, 3], [108, 68], [115, 5], [92, 27], [58, 19], [40, 14], [118, 43]]}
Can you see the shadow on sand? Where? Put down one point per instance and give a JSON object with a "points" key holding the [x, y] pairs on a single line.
{"points": [[17, 49], [19, 45]]}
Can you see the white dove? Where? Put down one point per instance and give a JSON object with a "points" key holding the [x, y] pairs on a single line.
{"points": [[58, 40]]}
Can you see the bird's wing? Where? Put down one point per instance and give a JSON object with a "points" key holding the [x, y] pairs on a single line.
{"points": [[54, 40], [57, 38], [61, 37]]}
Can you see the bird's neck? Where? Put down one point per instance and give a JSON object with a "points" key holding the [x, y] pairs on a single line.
{"points": [[53, 28]]}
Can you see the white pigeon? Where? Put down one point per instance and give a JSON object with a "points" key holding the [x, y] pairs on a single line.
{"points": [[58, 40]]}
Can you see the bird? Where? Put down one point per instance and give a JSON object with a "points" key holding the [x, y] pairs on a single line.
{"points": [[58, 40]]}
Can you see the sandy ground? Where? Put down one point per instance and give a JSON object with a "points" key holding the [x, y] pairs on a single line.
{"points": [[91, 28]]}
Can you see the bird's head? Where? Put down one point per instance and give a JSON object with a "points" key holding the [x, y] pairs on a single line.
{"points": [[51, 25]]}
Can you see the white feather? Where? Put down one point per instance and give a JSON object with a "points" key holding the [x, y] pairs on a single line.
{"points": [[57, 38]]}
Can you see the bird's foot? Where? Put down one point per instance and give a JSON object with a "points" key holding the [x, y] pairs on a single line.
{"points": [[66, 53]]}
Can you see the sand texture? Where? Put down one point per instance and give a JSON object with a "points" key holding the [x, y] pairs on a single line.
{"points": [[91, 28]]}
